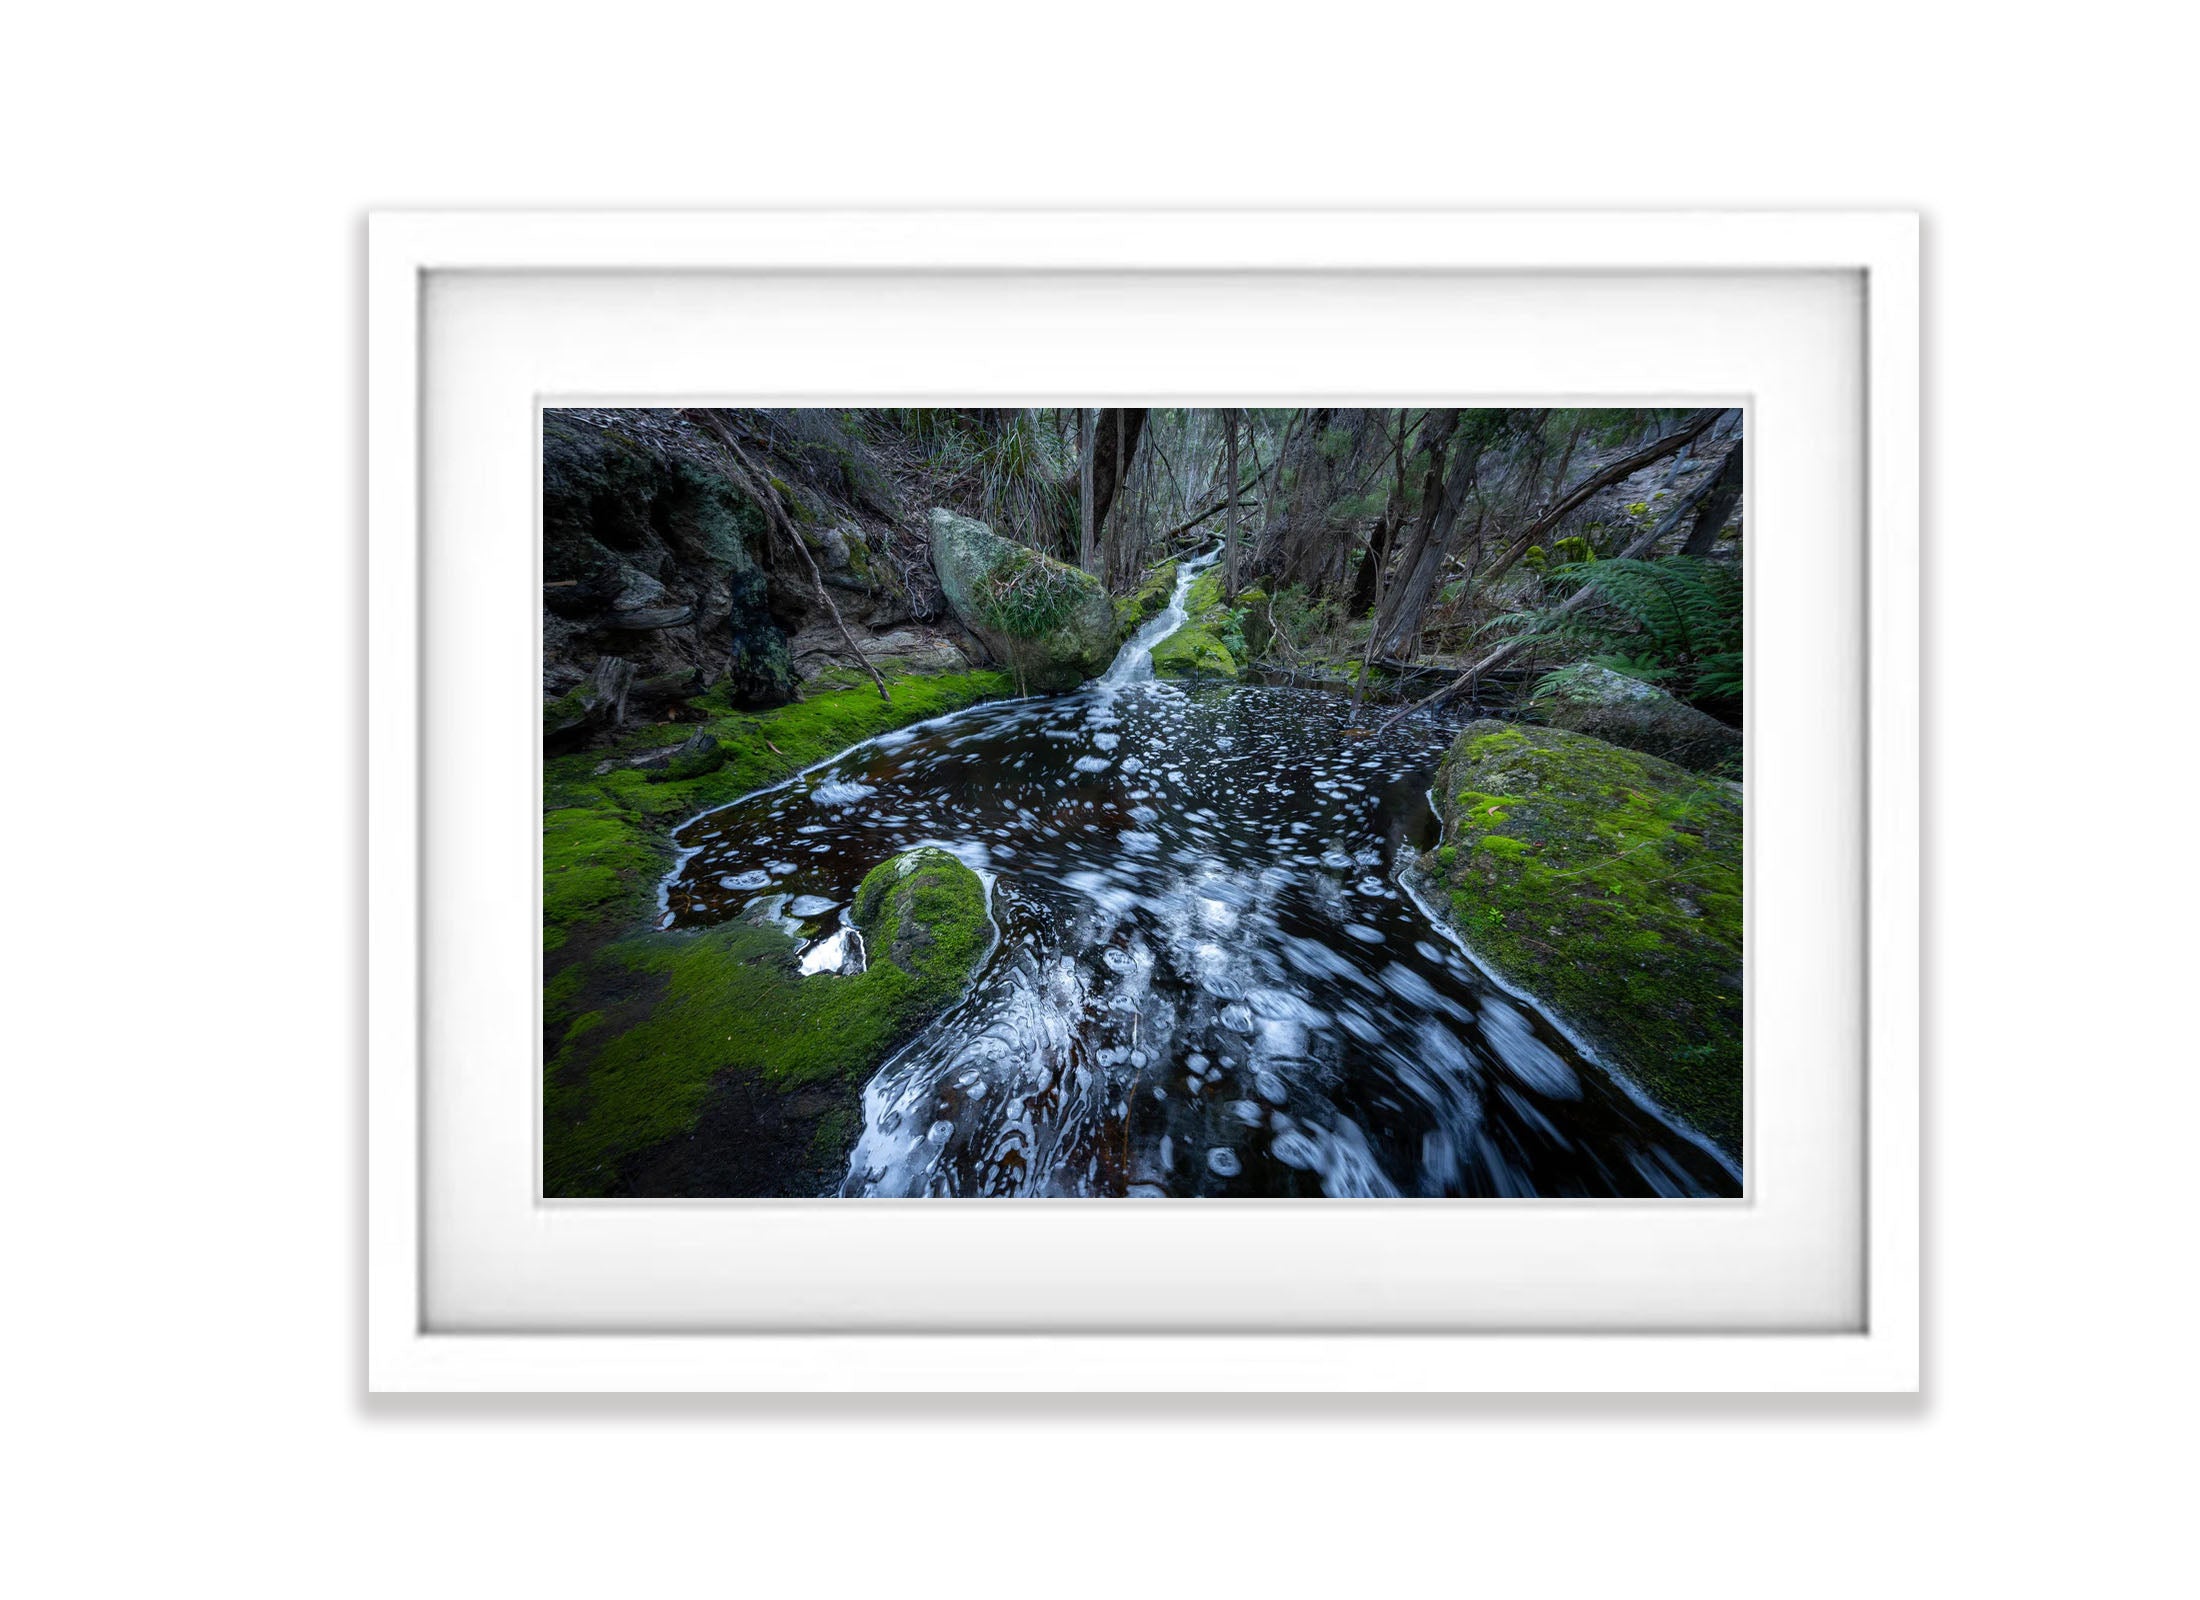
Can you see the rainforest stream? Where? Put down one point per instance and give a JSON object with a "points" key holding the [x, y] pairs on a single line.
{"points": [[1209, 979]]}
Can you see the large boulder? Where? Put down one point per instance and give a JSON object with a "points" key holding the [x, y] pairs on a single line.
{"points": [[650, 554], [1051, 625], [1626, 711], [1608, 884]]}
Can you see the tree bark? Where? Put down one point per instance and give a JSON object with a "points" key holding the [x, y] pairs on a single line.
{"points": [[1086, 433], [1604, 478], [1114, 442], [1580, 597], [1230, 519], [758, 487], [1718, 505], [1443, 492]]}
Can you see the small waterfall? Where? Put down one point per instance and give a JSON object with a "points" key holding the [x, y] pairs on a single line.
{"points": [[1134, 661]]}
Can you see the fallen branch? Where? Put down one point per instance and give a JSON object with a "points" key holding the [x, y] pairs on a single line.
{"points": [[1191, 523], [1580, 596], [1604, 478], [758, 487]]}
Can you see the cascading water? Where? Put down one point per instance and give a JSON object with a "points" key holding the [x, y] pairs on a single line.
{"points": [[1209, 981], [1134, 662]]}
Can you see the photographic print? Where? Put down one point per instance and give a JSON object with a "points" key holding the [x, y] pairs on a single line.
{"points": [[1116, 802]]}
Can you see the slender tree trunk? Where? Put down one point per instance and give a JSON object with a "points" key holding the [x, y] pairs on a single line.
{"points": [[1572, 501], [1443, 492], [1367, 582], [1114, 545], [1230, 515], [1566, 456], [1580, 597], [1718, 505], [1086, 435]]}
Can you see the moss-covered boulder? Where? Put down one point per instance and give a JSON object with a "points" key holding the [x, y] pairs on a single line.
{"points": [[1051, 625], [1608, 884], [607, 818], [1193, 652], [705, 1062], [1212, 641], [1626, 711]]}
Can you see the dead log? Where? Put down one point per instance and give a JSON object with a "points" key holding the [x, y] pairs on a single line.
{"points": [[572, 719]]}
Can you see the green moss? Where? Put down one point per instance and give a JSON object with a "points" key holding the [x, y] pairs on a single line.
{"points": [[595, 864], [1193, 651], [1609, 884], [564, 711], [605, 833], [1147, 601], [676, 1010], [698, 763]]}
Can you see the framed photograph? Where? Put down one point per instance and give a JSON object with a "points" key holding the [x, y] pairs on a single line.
{"points": [[1389, 738]]}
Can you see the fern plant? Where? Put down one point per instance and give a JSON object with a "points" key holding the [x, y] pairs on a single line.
{"points": [[1675, 620]]}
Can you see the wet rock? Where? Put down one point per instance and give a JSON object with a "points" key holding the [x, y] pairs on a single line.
{"points": [[1625, 711], [1050, 624]]}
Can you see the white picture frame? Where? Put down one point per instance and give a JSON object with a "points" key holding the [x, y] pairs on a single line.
{"points": [[408, 1349]]}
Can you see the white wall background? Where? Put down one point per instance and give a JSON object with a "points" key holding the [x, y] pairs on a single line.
{"points": [[182, 555]]}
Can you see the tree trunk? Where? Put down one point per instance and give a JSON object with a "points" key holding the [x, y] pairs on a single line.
{"points": [[1718, 505], [1114, 445], [1572, 501], [1367, 582], [1230, 517], [1580, 597], [1086, 433], [1443, 491]]}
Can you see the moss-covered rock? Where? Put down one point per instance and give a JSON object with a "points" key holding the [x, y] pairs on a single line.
{"points": [[1608, 884], [1134, 610], [606, 822], [705, 1062], [1052, 625], [1212, 641], [1620, 710], [1193, 652]]}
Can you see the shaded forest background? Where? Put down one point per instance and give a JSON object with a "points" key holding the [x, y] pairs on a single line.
{"points": [[1413, 553]]}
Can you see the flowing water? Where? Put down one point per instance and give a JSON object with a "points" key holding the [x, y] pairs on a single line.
{"points": [[1209, 979]]}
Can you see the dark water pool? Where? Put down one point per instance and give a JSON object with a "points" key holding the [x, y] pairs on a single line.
{"points": [[1209, 980]]}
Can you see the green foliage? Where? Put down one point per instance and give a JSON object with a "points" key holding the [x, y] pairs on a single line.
{"points": [[1675, 620], [1024, 475], [1301, 623], [1027, 595]]}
